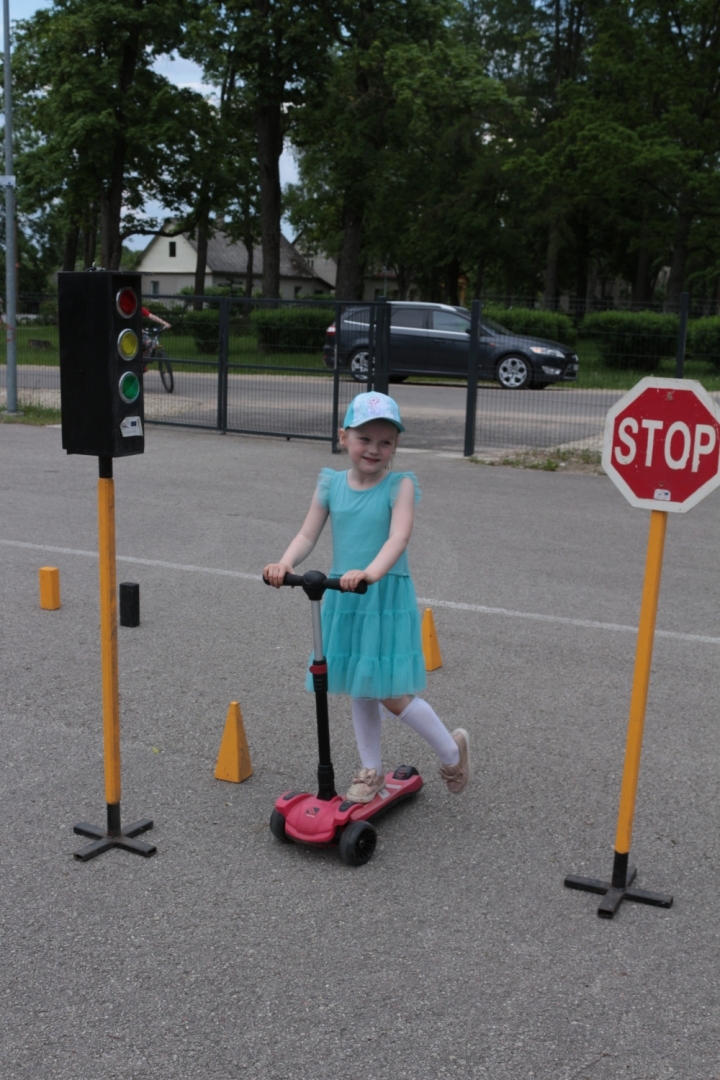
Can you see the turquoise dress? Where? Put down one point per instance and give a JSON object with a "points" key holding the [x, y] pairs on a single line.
{"points": [[372, 642]]}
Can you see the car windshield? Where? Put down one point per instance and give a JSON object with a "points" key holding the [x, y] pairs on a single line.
{"points": [[494, 327]]}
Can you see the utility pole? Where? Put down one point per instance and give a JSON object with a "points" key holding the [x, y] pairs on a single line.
{"points": [[10, 235]]}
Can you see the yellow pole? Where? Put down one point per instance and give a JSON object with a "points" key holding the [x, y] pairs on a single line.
{"points": [[641, 681], [108, 639]]}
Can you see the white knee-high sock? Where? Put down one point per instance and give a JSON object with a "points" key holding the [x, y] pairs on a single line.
{"points": [[423, 719], [368, 728]]}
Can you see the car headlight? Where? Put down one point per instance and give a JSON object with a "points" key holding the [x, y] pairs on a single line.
{"points": [[542, 350]]}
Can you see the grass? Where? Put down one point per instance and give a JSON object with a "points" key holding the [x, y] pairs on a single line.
{"points": [[587, 461], [593, 375], [180, 348], [31, 414]]}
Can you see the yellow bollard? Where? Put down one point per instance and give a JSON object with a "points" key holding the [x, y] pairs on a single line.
{"points": [[49, 588], [233, 761], [430, 646]]}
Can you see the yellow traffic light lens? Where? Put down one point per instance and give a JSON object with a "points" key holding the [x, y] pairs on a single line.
{"points": [[129, 387], [128, 344], [127, 302]]}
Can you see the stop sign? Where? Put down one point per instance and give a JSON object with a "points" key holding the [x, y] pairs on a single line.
{"points": [[662, 444]]}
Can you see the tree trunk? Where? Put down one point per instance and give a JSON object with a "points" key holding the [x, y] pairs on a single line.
{"points": [[270, 144], [71, 248], [89, 235], [551, 265], [111, 209], [349, 284], [112, 195], [479, 280], [452, 281], [642, 290], [249, 247], [201, 261], [680, 249]]}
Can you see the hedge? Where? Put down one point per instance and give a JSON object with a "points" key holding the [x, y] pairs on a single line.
{"points": [[297, 329], [632, 340], [552, 325], [703, 340], [204, 326]]}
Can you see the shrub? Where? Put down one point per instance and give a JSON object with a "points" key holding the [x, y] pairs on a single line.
{"points": [[552, 325], [632, 340], [295, 329], [703, 339], [204, 327]]}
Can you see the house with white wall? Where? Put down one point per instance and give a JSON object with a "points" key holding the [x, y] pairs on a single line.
{"points": [[168, 265]]}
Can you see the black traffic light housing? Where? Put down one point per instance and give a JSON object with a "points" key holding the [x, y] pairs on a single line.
{"points": [[101, 364]]}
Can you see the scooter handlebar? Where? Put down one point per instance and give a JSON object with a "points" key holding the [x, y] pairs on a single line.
{"points": [[314, 580]]}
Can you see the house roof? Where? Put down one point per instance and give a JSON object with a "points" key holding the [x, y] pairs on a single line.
{"points": [[226, 256]]}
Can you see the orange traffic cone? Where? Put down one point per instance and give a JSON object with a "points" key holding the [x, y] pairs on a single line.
{"points": [[233, 761], [430, 646]]}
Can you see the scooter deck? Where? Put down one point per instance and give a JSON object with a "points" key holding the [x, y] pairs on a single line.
{"points": [[310, 820]]}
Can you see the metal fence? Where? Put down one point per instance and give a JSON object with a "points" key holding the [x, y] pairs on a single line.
{"points": [[272, 368]]}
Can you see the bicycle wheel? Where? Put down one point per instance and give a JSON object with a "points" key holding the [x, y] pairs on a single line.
{"points": [[166, 372]]}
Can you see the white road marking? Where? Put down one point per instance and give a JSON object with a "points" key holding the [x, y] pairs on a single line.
{"points": [[480, 609]]}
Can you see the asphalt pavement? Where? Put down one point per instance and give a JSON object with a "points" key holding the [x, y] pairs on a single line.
{"points": [[456, 952]]}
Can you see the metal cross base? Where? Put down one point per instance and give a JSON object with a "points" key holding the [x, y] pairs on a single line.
{"points": [[617, 890], [114, 836]]}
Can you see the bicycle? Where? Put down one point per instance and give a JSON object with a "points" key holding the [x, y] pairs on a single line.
{"points": [[152, 351]]}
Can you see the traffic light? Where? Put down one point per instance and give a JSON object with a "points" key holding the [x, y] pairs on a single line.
{"points": [[101, 364]]}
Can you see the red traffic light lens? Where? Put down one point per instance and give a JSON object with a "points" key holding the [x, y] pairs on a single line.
{"points": [[127, 303]]}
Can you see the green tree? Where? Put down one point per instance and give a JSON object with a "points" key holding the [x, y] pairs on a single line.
{"points": [[94, 119], [266, 55]]}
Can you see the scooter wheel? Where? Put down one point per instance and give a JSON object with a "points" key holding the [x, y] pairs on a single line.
{"points": [[277, 827], [357, 843]]}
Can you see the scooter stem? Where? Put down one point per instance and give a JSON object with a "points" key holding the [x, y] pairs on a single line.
{"points": [[318, 669]]}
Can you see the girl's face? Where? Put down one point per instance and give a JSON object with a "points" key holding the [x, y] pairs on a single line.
{"points": [[370, 446]]}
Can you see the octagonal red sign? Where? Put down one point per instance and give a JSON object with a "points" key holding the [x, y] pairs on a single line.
{"points": [[662, 444]]}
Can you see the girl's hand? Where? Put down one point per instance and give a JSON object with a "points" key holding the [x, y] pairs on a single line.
{"points": [[275, 573], [350, 581]]}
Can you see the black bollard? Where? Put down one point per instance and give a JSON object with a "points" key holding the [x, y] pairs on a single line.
{"points": [[129, 603]]}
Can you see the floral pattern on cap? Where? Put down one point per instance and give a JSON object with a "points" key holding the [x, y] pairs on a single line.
{"points": [[372, 406]]}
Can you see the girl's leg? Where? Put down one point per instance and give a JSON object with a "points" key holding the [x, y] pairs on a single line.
{"points": [[368, 728], [423, 719]]}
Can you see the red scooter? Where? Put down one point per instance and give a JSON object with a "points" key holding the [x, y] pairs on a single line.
{"points": [[326, 818]]}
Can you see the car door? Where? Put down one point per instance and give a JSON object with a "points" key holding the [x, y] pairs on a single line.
{"points": [[449, 342], [408, 339]]}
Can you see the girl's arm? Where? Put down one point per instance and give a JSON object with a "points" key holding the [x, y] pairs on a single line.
{"points": [[401, 524], [301, 546]]}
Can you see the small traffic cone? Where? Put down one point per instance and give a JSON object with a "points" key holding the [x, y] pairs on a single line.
{"points": [[233, 761], [49, 588], [430, 646]]}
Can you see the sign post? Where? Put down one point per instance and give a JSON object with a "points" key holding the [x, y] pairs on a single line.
{"points": [[662, 449]]}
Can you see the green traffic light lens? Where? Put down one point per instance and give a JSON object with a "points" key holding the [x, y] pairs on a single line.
{"points": [[129, 387], [128, 344]]}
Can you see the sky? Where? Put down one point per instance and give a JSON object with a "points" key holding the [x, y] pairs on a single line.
{"points": [[180, 71]]}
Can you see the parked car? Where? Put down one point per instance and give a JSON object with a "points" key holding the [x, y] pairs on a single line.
{"points": [[434, 339]]}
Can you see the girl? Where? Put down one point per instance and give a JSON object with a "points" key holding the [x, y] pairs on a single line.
{"points": [[372, 642]]}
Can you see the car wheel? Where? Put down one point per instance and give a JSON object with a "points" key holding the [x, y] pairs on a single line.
{"points": [[359, 365], [514, 372]]}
